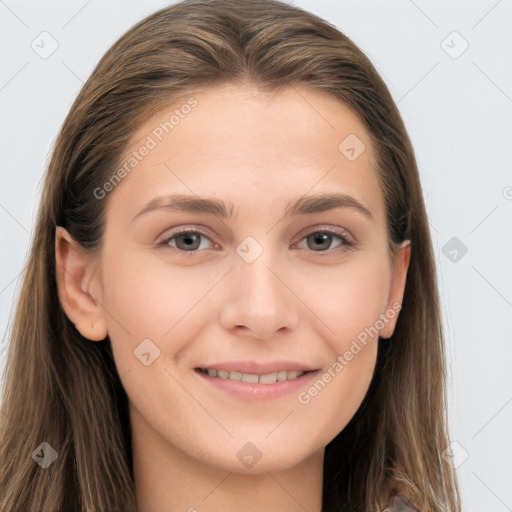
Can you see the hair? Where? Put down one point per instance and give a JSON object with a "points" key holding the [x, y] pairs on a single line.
{"points": [[65, 390]]}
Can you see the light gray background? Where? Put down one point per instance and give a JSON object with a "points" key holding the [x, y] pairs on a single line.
{"points": [[458, 111]]}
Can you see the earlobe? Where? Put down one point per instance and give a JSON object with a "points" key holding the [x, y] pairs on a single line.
{"points": [[397, 288], [75, 281]]}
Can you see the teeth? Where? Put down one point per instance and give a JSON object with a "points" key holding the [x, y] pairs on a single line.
{"points": [[281, 376], [269, 378], [252, 378]]}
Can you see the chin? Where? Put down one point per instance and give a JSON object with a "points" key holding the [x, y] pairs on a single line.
{"points": [[253, 458]]}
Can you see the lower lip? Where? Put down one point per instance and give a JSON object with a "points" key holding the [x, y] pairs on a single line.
{"points": [[247, 391]]}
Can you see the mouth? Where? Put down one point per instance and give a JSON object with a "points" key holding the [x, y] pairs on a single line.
{"points": [[249, 380], [254, 378]]}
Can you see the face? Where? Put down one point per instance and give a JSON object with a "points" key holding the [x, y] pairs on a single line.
{"points": [[283, 268]]}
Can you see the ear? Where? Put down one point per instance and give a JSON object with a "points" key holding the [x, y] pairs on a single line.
{"points": [[399, 268], [76, 281]]}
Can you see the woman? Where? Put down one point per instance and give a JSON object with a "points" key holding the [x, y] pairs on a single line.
{"points": [[230, 301]]}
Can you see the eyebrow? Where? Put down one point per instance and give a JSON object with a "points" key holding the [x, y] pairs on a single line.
{"points": [[316, 203], [322, 202], [189, 203]]}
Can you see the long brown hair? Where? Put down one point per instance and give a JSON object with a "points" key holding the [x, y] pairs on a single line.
{"points": [[62, 389]]}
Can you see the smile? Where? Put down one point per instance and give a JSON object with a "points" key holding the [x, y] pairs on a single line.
{"points": [[253, 378]]}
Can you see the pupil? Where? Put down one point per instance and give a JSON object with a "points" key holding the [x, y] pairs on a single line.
{"points": [[189, 242], [321, 238]]}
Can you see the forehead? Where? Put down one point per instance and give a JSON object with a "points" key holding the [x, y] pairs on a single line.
{"points": [[237, 142]]}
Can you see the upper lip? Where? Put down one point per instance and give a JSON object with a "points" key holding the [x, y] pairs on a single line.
{"points": [[259, 368]]}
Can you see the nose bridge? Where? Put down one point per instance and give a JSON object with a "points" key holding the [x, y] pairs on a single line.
{"points": [[258, 299], [257, 278], [254, 260], [257, 282]]}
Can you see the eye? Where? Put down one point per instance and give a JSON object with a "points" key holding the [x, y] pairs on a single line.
{"points": [[187, 240], [191, 240], [322, 240]]}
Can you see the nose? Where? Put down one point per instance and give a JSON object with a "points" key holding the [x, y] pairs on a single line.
{"points": [[259, 302]]}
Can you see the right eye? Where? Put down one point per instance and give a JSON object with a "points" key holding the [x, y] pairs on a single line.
{"points": [[186, 240]]}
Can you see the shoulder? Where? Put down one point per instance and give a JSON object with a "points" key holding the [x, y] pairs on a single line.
{"points": [[400, 503]]}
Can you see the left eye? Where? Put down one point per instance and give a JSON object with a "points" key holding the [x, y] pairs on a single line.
{"points": [[320, 241]]}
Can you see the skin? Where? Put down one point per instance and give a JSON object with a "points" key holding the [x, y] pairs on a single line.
{"points": [[258, 151]]}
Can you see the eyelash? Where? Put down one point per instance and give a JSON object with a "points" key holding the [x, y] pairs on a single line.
{"points": [[346, 242]]}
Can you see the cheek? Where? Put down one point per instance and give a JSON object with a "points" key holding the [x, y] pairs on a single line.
{"points": [[347, 302], [349, 299], [144, 300], [337, 393], [350, 306]]}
